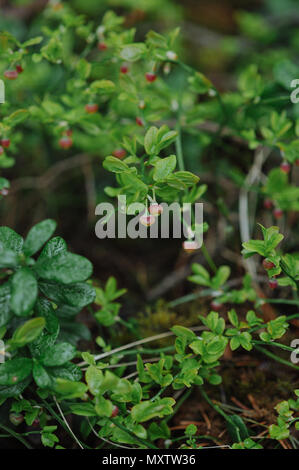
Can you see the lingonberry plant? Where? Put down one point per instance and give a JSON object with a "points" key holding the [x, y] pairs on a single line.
{"points": [[136, 108]]}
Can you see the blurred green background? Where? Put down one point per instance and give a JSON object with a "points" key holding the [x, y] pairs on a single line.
{"points": [[219, 38]]}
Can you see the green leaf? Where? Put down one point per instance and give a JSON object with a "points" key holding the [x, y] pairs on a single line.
{"points": [[150, 141], [186, 177], [40, 375], [94, 378], [64, 267], [68, 389], [14, 390], [237, 428], [190, 430], [75, 295], [14, 371], [32, 41], [54, 247], [83, 409], [164, 168], [221, 277], [102, 85], [184, 332], [68, 371], [201, 275], [28, 332], [84, 68], [58, 354], [147, 409], [38, 235], [133, 52], [11, 240], [103, 407], [279, 432], [4, 304], [234, 343], [233, 318], [200, 83], [115, 165], [23, 292]]}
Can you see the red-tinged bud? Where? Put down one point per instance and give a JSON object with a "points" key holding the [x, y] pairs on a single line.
{"points": [[139, 122], [10, 74], [119, 153], [141, 104], [268, 204], [216, 306], [16, 418], [4, 192], [1, 150], [36, 422], [69, 132], [147, 220], [297, 162], [150, 77], [268, 264], [102, 46], [278, 213], [19, 68], [155, 209], [91, 108], [114, 411], [190, 246], [124, 69], [5, 143], [65, 142], [285, 167], [273, 283]]}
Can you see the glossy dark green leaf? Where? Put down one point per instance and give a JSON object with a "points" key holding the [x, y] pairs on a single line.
{"points": [[15, 370], [66, 268], [28, 332], [11, 240], [38, 235], [58, 354], [5, 314], [75, 295], [40, 375], [23, 292]]}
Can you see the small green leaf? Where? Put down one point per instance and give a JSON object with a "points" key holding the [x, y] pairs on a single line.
{"points": [[58, 354], [115, 165], [40, 375], [74, 295], [23, 292], [83, 409], [38, 235], [103, 407], [68, 389], [14, 371], [164, 168], [133, 52], [94, 379], [11, 240], [147, 409], [28, 332]]}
